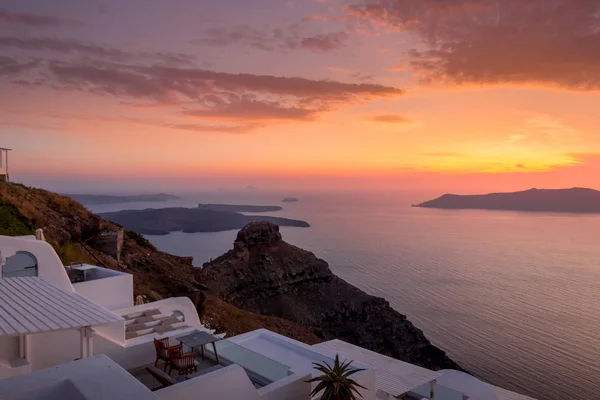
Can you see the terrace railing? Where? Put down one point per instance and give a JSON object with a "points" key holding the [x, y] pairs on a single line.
{"points": [[259, 368]]}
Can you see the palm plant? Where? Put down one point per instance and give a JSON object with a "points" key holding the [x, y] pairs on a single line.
{"points": [[335, 381]]}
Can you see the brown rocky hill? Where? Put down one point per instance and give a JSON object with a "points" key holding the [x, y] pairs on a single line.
{"points": [[74, 233], [265, 275]]}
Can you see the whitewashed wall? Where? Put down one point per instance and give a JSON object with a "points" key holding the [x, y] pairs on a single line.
{"points": [[113, 292], [294, 387], [129, 358], [47, 349], [367, 379], [49, 265], [9, 350], [229, 383]]}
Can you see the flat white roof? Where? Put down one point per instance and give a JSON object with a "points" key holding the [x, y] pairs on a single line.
{"points": [[508, 395], [94, 378], [392, 376], [34, 305], [396, 372], [298, 356], [279, 348]]}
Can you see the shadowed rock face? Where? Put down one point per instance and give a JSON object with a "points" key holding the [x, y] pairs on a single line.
{"points": [[266, 275], [257, 234]]}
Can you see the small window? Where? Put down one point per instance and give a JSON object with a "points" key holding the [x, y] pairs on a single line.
{"points": [[179, 315], [20, 264]]}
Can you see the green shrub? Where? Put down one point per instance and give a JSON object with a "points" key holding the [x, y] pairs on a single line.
{"points": [[335, 382], [69, 253], [140, 240], [12, 222]]}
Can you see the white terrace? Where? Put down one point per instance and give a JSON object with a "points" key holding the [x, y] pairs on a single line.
{"points": [[74, 333]]}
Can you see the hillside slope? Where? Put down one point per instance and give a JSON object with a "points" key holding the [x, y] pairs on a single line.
{"points": [[68, 226], [71, 229]]}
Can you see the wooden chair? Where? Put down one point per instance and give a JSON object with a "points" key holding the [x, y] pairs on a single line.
{"points": [[163, 350], [163, 379], [184, 364]]}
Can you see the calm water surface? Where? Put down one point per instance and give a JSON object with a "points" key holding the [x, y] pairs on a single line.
{"points": [[512, 297]]}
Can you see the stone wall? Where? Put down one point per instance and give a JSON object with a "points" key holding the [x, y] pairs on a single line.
{"points": [[110, 242]]}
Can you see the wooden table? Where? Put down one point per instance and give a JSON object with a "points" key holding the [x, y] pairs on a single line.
{"points": [[200, 339]]}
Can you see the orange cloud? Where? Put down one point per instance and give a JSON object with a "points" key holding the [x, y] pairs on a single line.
{"points": [[255, 110], [491, 42], [398, 68], [199, 92], [388, 118]]}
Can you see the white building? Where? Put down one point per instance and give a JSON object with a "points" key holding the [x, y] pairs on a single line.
{"points": [[74, 333]]}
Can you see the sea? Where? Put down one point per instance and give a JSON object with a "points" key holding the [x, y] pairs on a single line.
{"points": [[513, 297]]}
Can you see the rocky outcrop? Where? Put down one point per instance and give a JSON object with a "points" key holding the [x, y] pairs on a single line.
{"points": [[265, 275]]}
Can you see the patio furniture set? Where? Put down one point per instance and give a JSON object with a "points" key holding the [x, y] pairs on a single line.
{"points": [[174, 358]]}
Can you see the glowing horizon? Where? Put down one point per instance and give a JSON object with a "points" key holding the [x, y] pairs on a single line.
{"points": [[308, 94]]}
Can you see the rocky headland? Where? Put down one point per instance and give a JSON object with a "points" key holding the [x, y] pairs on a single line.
{"points": [[575, 200], [265, 275], [161, 221]]}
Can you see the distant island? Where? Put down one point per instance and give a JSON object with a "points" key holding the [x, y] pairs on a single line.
{"points": [[238, 208], [289, 200], [161, 221], [91, 199], [575, 200]]}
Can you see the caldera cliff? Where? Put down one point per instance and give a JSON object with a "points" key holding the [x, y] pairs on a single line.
{"points": [[265, 275], [74, 231]]}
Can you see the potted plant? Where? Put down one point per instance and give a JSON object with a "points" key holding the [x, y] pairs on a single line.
{"points": [[335, 382]]}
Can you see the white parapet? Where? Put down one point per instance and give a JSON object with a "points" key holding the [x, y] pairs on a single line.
{"points": [[109, 288], [229, 383]]}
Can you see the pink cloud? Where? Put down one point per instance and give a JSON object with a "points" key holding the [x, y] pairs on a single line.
{"points": [[490, 42], [78, 48], [254, 110], [280, 39], [160, 83], [33, 20]]}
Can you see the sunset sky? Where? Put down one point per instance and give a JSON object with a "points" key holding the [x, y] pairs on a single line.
{"points": [[455, 95]]}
